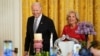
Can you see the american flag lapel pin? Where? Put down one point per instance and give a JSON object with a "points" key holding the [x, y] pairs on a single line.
{"points": [[41, 22]]}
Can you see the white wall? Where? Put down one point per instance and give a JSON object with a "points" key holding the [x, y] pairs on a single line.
{"points": [[11, 23]]}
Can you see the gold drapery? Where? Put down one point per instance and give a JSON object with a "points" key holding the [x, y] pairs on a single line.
{"points": [[88, 10]]}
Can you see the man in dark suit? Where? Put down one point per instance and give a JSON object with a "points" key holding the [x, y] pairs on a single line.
{"points": [[44, 25]]}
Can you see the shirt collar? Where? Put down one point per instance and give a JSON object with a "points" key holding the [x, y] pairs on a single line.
{"points": [[39, 17]]}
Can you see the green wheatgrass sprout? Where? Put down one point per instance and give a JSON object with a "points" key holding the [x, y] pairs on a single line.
{"points": [[96, 44], [84, 44], [43, 54]]}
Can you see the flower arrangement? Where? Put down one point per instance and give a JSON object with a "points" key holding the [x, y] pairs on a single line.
{"points": [[85, 28]]}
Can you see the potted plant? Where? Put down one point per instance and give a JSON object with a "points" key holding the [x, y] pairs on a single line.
{"points": [[86, 29]]}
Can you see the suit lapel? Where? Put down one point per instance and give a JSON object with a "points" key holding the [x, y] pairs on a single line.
{"points": [[32, 23]]}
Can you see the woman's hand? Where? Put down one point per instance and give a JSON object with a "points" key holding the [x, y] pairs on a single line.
{"points": [[69, 54]]}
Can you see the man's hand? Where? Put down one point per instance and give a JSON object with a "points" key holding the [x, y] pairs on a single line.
{"points": [[25, 53]]}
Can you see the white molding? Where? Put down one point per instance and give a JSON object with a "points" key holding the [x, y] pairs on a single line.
{"points": [[11, 23]]}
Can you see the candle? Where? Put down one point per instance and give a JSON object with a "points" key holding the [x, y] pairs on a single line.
{"points": [[38, 42], [51, 40], [38, 36], [51, 46]]}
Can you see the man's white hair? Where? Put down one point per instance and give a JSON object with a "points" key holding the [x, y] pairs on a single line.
{"points": [[37, 4]]}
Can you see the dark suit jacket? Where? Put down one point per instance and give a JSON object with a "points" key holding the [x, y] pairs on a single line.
{"points": [[46, 26]]}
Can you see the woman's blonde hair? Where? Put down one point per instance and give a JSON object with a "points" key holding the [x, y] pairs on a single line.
{"points": [[76, 15]]}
